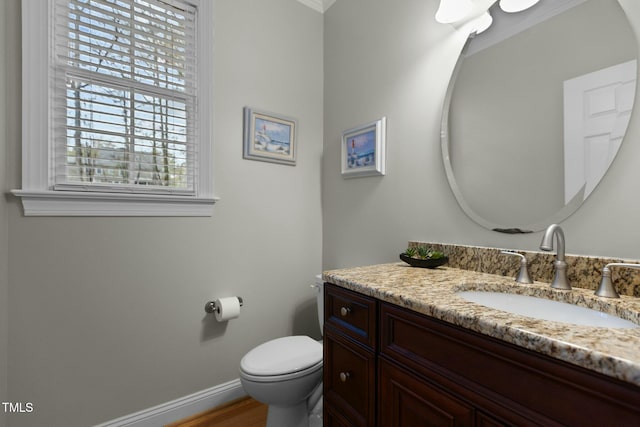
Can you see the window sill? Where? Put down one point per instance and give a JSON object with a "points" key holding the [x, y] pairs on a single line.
{"points": [[70, 203]]}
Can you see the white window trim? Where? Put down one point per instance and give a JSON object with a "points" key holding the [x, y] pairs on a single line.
{"points": [[38, 198]]}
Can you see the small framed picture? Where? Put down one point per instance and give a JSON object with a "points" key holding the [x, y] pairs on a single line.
{"points": [[363, 150], [269, 137]]}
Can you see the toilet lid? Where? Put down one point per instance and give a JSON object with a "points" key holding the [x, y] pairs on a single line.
{"points": [[282, 356]]}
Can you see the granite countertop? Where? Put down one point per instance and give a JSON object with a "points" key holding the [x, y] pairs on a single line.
{"points": [[610, 351]]}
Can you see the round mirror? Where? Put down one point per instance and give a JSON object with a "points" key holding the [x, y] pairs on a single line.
{"points": [[536, 111]]}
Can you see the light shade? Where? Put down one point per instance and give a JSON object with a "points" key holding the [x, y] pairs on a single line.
{"points": [[451, 11], [481, 23], [512, 6]]}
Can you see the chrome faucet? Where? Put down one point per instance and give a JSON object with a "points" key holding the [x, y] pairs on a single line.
{"points": [[560, 278], [606, 288]]}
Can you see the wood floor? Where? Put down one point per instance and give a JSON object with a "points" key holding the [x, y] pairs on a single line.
{"points": [[244, 412]]}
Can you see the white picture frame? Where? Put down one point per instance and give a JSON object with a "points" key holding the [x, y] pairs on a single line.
{"points": [[269, 137], [364, 150]]}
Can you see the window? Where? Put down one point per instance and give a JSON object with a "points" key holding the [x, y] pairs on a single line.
{"points": [[116, 108]]}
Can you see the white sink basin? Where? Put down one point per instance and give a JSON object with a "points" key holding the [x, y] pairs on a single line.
{"points": [[544, 309]]}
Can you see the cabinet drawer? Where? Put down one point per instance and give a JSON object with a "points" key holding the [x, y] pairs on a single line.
{"points": [[350, 313], [349, 379]]}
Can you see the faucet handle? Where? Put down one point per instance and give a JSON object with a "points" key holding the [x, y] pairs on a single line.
{"points": [[606, 288], [523, 274]]}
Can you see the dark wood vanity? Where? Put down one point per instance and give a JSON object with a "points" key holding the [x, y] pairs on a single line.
{"points": [[386, 365]]}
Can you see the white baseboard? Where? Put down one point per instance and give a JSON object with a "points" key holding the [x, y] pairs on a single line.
{"points": [[181, 408]]}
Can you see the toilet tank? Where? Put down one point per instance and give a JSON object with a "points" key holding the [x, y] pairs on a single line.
{"points": [[319, 285]]}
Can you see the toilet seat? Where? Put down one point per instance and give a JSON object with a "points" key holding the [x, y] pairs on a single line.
{"points": [[282, 359], [281, 378]]}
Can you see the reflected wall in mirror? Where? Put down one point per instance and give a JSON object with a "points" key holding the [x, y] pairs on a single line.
{"points": [[532, 122]]}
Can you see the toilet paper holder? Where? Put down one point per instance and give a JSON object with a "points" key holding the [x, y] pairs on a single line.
{"points": [[211, 307]]}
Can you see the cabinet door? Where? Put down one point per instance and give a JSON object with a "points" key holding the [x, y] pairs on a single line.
{"points": [[349, 380], [332, 418], [484, 420], [408, 401]]}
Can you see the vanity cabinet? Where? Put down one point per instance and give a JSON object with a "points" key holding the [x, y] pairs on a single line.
{"points": [[505, 384], [426, 372]]}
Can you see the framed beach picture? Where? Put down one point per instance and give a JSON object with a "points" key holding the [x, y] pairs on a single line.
{"points": [[363, 150], [269, 137]]}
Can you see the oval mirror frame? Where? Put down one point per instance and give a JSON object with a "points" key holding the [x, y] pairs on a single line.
{"points": [[517, 226]]}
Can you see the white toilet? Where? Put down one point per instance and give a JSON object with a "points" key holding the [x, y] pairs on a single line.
{"points": [[286, 374]]}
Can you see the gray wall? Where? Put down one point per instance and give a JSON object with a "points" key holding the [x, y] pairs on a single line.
{"points": [[106, 314], [4, 243], [391, 58]]}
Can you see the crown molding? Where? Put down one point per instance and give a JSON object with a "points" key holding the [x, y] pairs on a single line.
{"points": [[327, 4], [318, 5]]}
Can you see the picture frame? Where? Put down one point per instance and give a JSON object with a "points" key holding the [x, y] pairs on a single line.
{"points": [[364, 150], [269, 137]]}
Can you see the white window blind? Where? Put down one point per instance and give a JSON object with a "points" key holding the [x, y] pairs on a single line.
{"points": [[124, 116]]}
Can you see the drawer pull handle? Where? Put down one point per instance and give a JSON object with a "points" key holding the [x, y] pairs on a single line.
{"points": [[344, 311], [344, 376]]}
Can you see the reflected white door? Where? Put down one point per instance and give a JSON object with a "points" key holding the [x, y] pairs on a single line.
{"points": [[597, 108]]}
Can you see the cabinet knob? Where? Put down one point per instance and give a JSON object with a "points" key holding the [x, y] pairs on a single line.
{"points": [[344, 376], [344, 311]]}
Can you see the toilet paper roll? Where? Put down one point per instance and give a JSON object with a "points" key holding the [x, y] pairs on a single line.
{"points": [[227, 308]]}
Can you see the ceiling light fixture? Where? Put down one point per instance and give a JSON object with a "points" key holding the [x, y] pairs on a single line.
{"points": [[458, 11], [511, 6], [451, 11], [481, 23]]}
